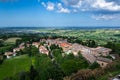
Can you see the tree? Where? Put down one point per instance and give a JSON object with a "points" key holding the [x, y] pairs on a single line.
{"points": [[9, 78], [22, 76], [69, 56], [78, 41], [42, 64], [34, 51], [69, 66], [56, 52], [72, 64], [18, 42], [1, 59], [115, 46], [55, 72], [53, 46], [1, 43], [33, 73], [91, 43], [94, 65], [31, 51]]}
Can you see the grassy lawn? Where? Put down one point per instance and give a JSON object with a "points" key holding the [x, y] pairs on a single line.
{"points": [[14, 65], [12, 40]]}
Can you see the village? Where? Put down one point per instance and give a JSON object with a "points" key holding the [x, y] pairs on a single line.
{"points": [[92, 55]]}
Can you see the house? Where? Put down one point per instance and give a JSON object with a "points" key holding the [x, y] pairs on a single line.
{"points": [[89, 57], [9, 54], [22, 44], [90, 54], [43, 49], [22, 47], [100, 51], [42, 40], [36, 44], [76, 48], [50, 41], [59, 39], [16, 50], [103, 61], [66, 47]]}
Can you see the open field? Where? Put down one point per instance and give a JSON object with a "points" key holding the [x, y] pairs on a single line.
{"points": [[12, 40], [99, 35], [14, 65]]}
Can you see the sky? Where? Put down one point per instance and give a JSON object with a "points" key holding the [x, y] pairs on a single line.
{"points": [[58, 13]]}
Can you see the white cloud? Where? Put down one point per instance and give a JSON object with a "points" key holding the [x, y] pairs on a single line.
{"points": [[103, 17], [61, 9], [85, 5], [102, 4], [93, 4], [102, 9], [49, 6], [73, 3], [78, 5]]}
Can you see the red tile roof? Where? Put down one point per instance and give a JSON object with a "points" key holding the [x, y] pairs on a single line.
{"points": [[65, 45]]}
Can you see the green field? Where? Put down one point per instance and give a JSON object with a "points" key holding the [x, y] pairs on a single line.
{"points": [[12, 40], [101, 36], [14, 65]]}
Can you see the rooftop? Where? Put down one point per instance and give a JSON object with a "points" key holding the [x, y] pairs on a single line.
{"points": [[101, 49], [65, 45], [104, 59], [8, 53]]}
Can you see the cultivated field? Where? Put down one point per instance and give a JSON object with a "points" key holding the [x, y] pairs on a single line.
{"points": [[99, 35]]}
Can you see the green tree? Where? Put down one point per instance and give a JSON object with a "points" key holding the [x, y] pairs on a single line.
{"points": [[94, 65], [33, 73], [1, 59], [42, 64], [1, 43], [69, 66], [18, 42], [55, 72], [34, 51], [53, 46], [115, 46], [72, 64], [56, 52]]}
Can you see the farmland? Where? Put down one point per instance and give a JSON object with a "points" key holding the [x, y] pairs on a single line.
{"points": [[99, 35]]}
